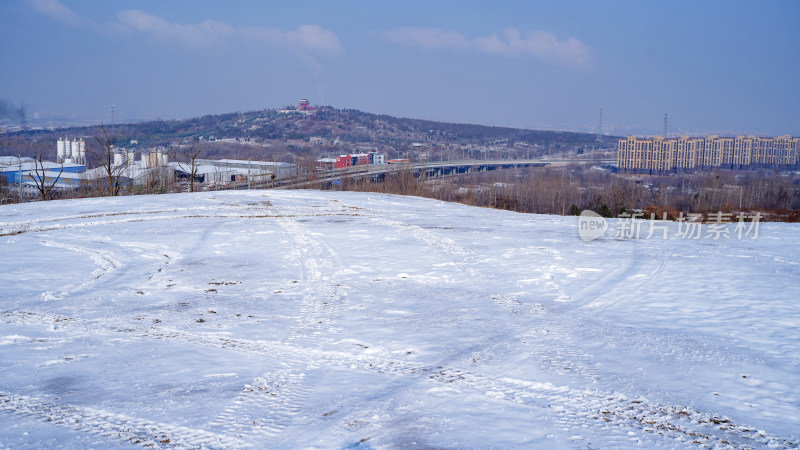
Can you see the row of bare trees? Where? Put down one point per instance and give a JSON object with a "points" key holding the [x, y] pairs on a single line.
{"points": [[576, 188]]}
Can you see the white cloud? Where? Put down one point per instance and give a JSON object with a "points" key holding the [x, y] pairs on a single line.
{"points": [[58, 11], [306, 38], [511, 43], [202, 34], [307, 41], [428, 38], [315, 38]]}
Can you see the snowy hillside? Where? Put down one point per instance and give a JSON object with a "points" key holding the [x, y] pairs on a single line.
{"points": [[321, 319]]}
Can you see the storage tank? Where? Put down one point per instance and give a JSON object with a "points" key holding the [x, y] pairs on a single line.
{"points": [[61, 151], [67, 148], [159, 158], [80, 158], [119, 158], [131, 157], [75, 149]]}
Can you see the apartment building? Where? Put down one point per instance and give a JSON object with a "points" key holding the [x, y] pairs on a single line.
{"points": [[688, 154]]}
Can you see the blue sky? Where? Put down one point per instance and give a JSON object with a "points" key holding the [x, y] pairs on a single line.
{"points": [[714, 66]]}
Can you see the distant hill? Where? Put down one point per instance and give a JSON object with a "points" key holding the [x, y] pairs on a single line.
{"points": [[326, 131]]}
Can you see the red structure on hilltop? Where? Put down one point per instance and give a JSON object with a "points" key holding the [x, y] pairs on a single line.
{"points": [[302, 105]]}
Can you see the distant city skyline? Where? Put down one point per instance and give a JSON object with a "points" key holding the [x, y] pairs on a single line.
{"points": [[717, 67]]}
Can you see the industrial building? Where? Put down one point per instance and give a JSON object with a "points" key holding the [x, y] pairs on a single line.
{"points": [[685, 154], [231, 170], [280, 170], [54, 176], [14, 169], [69, 172], [134, 172], [149, 159], [359, 159], [326, 163]]}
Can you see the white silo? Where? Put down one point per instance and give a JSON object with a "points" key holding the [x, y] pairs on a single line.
{"points": [[164, 159], [131, 157], [60, 150], [80, 158], [119, 158], [75, 149]]}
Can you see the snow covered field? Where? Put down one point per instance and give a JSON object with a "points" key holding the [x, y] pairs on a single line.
{"points": [[323, 319]]}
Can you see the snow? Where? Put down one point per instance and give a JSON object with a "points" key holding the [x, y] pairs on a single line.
{"points": [[327, 319]]}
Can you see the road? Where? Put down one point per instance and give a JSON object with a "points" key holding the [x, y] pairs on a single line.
{"points": [[434, 169]]}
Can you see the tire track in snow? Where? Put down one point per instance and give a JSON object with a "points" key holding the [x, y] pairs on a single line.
{"points": [[267, 404], [574, 407], [518, 312], [107, 262], [473, 270], [628, 414], [22, 227], [527, 320], [551, 339], [547, 337], [126, 428], [322, 303], [445, 245], [104, 260], [592, 295], [13, 228], [158, 251]]}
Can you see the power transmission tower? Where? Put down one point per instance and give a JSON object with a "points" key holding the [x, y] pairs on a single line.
{"points": [[600, 124]]}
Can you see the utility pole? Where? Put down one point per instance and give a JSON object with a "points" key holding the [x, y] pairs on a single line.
{"points": [[113, 122], [19, 175], [741, 193]]}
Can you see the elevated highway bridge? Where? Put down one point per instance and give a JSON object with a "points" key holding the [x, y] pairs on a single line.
{"points": [[429, 169]]}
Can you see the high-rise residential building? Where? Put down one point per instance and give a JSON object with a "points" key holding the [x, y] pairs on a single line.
{"points": [[687, 154]]}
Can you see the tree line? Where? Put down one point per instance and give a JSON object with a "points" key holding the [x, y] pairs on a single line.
{"points": [[572, 189]]}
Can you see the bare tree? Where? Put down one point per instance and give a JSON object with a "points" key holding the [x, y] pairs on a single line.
{"points": [[39, 175], [6, 195], [191, 156], [5, 192], [104, 157], [156, 180], [306, 167]]}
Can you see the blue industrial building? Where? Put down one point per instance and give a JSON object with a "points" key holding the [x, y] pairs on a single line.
{"points": [[13, 168]]}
